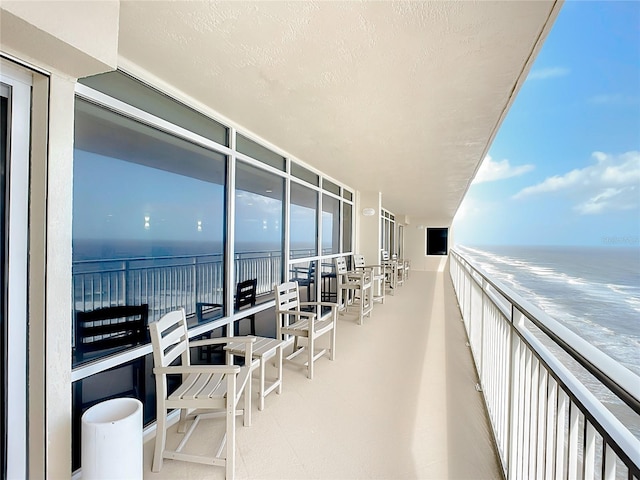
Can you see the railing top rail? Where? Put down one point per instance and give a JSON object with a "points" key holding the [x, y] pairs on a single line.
{"points": [[184, 256], [619, 379]]}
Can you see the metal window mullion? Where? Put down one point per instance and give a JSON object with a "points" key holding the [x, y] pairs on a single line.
{"points": [[286, 261], [230, 234]]}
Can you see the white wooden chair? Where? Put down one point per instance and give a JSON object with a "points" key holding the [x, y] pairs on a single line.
{"points": [[391, 272], [407, 267], [205, 391], [293, 323], [358, 286], [399, 266], [378, 275]]}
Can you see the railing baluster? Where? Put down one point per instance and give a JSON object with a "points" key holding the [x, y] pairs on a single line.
{"points": [[551, 417], [589, 451], [609, 460], [561, 437]]}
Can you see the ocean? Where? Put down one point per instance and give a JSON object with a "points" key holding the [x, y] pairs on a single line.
{"points": [[593, 291]]}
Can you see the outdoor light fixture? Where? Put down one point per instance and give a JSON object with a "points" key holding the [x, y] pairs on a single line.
{"points": [[368, 212]]}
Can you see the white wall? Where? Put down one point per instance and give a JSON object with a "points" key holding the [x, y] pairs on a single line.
{"points": [[415, 245], [368, 227], [68, 40]]}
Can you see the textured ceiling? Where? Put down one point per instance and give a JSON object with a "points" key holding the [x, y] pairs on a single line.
{"points": [[398, 97]]}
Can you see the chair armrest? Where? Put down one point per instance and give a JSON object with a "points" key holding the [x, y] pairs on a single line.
{"points": [[219, 340], [296, 313], [248, 341], [320, 304], [180, 369]]}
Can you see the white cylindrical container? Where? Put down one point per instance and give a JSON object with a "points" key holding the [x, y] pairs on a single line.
{"points": [[112, 440]]}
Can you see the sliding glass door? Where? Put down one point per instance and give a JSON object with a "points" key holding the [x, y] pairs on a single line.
{"points": [[15, 101]]}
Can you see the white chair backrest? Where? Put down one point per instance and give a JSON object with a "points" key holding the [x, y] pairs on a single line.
{"points": [[170, 339], [288, 296], [341, 266], [358, 261]]}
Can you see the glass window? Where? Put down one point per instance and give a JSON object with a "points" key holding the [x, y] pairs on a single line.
{"points": [[347, 194], [148, 219], [330, 186], [303, 226], [257, 151], [392, 238], [346, 227], [437, 241], [304, 174], [330, 225], [328, 283], [258, 228], [133, 92], [132, 379], [305, 274]]}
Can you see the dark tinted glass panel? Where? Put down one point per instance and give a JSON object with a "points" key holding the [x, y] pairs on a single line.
{"points": [[347, 195], [304, 174], [330, 186], [303, 221], [148, 219], [346, 228], [437, 241], [305, 274], [133, 92], [259, 232], [328, 283], [133, 379], [257, 151]]}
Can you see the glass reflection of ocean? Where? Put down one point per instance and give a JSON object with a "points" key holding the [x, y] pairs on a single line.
{"points": [[96, 249]]}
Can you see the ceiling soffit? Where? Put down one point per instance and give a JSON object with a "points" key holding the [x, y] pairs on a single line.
{"points": [[397, 97]]}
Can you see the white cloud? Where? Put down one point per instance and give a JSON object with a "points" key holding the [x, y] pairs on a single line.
{"points": [[491, 171], [550, 72], [611, 183]]}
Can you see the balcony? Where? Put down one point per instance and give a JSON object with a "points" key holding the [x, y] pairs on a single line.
{"points": [[399, 401], [403, 398]]}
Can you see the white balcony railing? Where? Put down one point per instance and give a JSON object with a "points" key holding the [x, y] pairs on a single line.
{"points": [[546, 423], [170, 282], [167, 283]]}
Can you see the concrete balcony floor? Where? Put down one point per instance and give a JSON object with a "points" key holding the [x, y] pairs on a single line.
{"points": [[398, 402]]}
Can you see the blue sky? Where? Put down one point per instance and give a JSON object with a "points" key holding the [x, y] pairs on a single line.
{"points": [[564, 168]]}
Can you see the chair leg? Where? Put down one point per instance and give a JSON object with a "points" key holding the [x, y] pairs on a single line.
{"points": [[230, 459], [333, 342], [247, 402], [182, 424], [261, 392], [311, 353], [161, 436]]}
